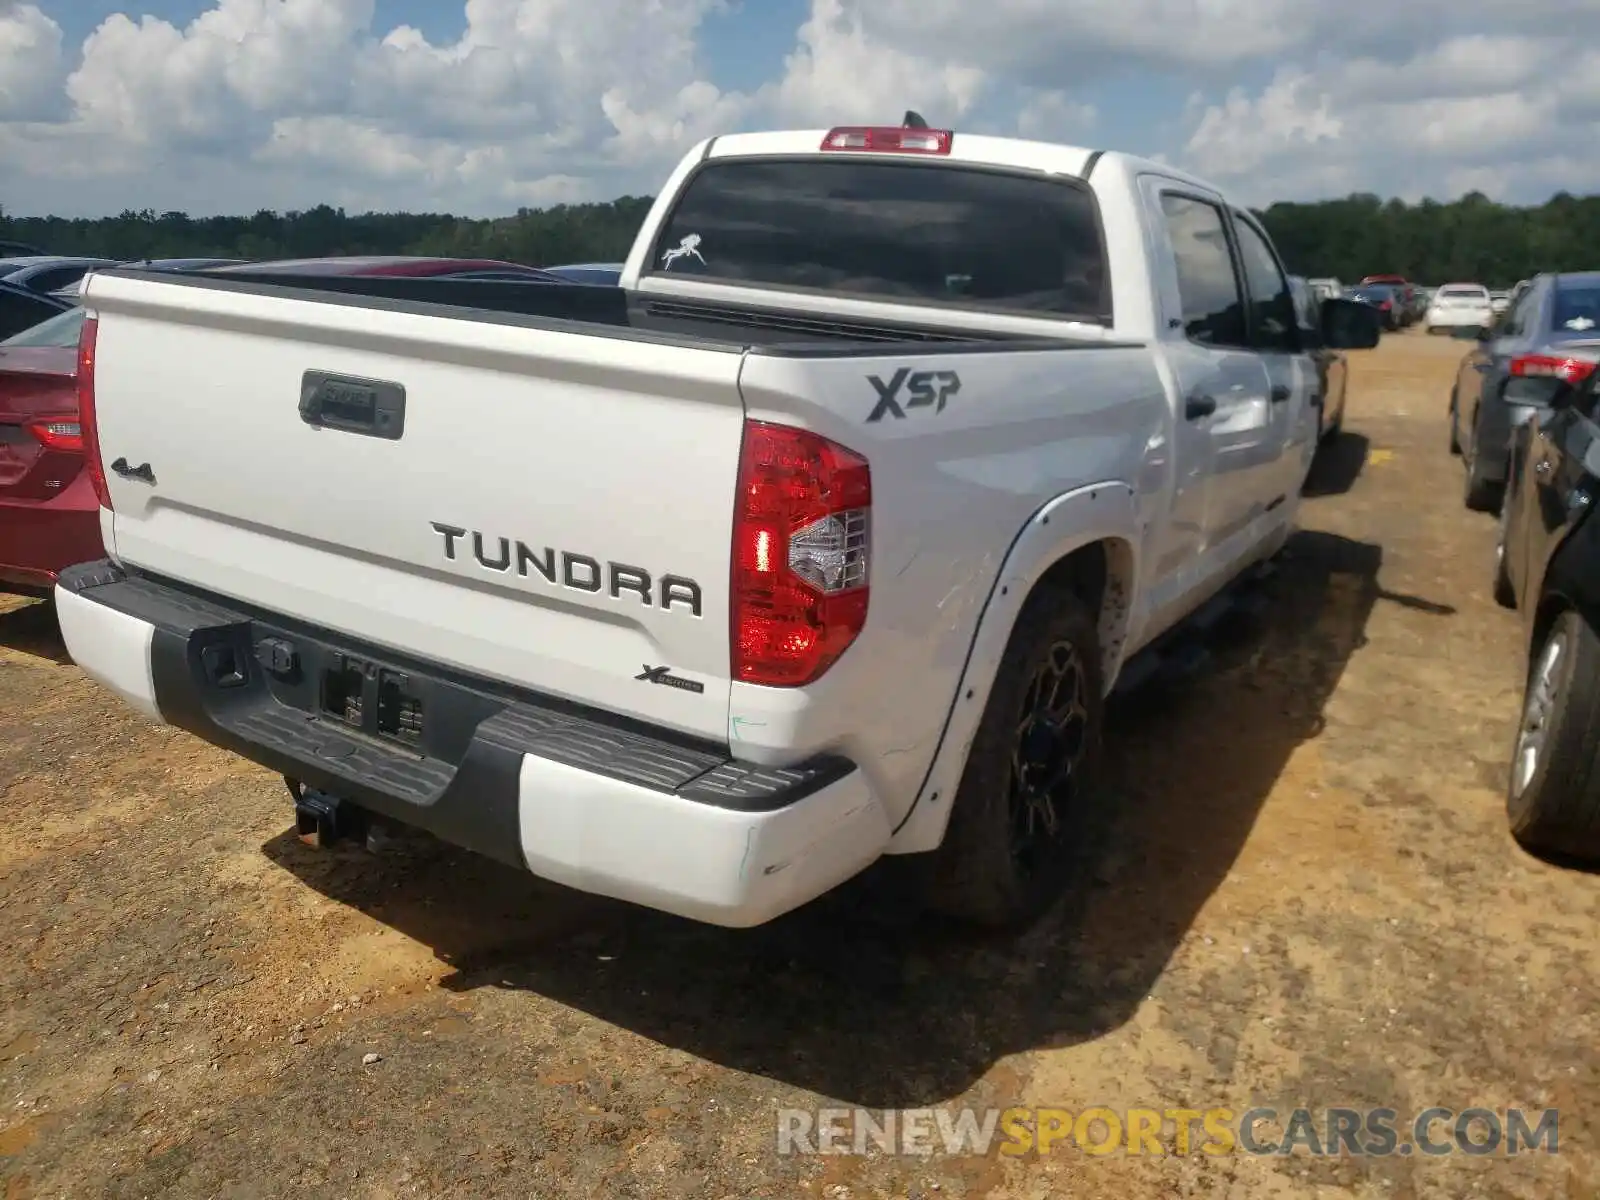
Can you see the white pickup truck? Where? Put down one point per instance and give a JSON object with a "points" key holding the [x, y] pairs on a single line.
{"points": [[820, 537]]}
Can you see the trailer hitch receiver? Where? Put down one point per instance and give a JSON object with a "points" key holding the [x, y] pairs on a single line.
{"points": [[321, 819]]}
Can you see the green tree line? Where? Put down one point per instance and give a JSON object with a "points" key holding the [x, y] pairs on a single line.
{"points": [[1473, 238], [564, 234]]}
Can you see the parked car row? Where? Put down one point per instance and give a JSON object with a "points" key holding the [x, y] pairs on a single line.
{"points": [[1525, 417], [1446, 308]]}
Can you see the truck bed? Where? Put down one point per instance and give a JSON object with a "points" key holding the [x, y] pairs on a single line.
{"points": [[612, 311]]}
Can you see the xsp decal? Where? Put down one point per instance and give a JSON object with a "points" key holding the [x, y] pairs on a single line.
{"points": [[923, 389]]}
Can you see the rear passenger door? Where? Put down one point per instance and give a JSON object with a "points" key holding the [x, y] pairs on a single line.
{"points": [[1291, 374], [1224, 443]]}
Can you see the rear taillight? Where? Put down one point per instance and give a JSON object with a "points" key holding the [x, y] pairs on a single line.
{"points": [[1384, 306], [58, 435], [801, 554], [1568, 370], [87, 337], [888, 139]]}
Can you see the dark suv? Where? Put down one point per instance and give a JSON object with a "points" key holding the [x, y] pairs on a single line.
{"points": [[1548, 566]]}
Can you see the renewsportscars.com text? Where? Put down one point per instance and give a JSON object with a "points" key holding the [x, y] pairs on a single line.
{"points": [[1324, 1132]]}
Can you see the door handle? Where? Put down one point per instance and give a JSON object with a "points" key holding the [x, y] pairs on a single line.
{"points": [[142, 471], [1279, 394], [1199, 405]]}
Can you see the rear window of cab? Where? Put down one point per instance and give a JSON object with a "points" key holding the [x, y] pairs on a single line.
{"points": [[917, 233]]}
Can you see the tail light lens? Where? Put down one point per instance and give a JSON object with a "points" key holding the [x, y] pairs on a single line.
{"points": [[1547, 366], [886, 139], [58, 435], [90, 434], [801, 555]]}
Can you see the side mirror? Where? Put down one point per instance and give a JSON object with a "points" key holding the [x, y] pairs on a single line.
{"points": [[1349, 324]]}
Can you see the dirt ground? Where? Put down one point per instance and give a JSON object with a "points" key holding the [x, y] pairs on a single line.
{"points": [[1306, 897]]}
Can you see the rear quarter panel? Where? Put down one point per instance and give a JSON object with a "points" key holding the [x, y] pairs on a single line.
{"points": [[953, 489]]}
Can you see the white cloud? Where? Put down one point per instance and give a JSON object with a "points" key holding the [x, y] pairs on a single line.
{"points": [[287, 103], [303, 97], [838, 73], [1235, 139], [1474, 112], [30, 64], [1053, 116]]}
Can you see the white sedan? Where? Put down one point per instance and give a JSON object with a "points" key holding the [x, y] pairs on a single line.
{"points": [[1459, 305]]}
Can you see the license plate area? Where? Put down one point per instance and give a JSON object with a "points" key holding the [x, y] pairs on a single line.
{"points": [[372, 699]]}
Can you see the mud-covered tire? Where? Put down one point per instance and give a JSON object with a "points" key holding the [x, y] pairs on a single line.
{"points": [[979, 875], [1553, 799]]}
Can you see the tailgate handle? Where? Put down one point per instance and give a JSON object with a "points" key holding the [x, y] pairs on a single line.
{"points": [[369, 407]]}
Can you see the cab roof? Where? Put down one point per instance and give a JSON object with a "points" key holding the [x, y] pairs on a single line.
{"points": [[972, 148]]}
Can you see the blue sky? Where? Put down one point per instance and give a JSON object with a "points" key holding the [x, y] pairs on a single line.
{"points": [[232, 105]]}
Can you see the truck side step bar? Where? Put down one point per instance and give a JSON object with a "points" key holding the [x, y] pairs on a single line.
{"points": [[1181, 652]]}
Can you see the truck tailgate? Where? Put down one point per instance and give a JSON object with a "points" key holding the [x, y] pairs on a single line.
{"points": [[547, 508]]}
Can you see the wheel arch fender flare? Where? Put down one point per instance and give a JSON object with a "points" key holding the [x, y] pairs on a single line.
{"points": [[1104, 515]]}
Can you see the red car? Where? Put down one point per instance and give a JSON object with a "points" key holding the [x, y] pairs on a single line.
{"points": [[49, 516]]}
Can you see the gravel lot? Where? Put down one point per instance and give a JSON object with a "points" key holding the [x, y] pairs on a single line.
{"points": [[1305, 896]]}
